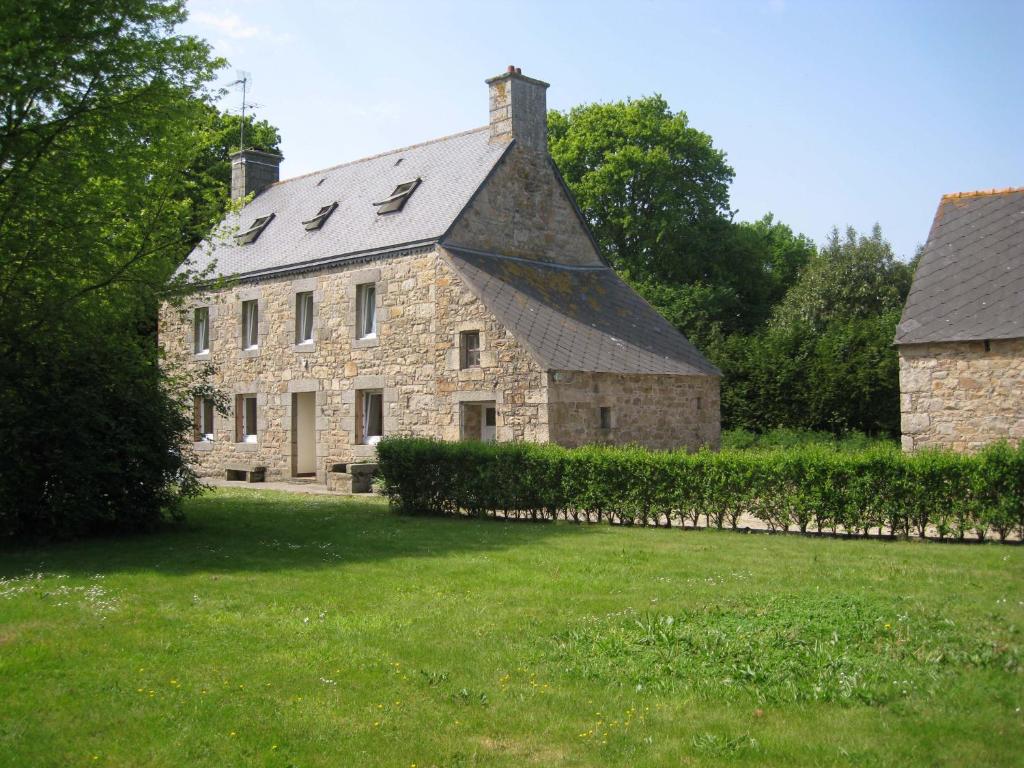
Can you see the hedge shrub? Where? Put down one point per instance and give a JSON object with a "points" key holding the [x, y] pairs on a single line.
{"points": [[878, 489]]}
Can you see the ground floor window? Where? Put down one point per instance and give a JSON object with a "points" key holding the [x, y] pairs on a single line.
{"points": [[203, 420], [246, 424], [370, 413]]}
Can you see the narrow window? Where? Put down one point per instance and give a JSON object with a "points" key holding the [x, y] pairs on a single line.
{"points": [[201, 330], [469, 349], [606, 417], [246, 420], [366, 311], [304, 317], [250, 324], [204, 420], [397, 200], [371, 416]]}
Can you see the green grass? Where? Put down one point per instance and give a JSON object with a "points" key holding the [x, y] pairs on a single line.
{"points": [[285, 630]]}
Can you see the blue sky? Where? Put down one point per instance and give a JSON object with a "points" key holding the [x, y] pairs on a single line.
{"points": [[830, 113]]}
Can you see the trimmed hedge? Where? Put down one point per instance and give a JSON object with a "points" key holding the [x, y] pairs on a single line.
{"points": [[813, 488]]}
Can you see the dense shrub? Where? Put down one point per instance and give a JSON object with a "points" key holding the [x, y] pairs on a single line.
{"points": [[878, 489]]}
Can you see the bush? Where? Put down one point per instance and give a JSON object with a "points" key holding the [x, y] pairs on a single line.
{"points": [[807, 488]]}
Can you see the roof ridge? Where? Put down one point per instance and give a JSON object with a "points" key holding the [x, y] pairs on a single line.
{"points": [[380, 154], [982, 192]]}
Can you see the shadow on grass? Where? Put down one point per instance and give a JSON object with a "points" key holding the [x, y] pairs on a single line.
{"points": [[265, 531]]}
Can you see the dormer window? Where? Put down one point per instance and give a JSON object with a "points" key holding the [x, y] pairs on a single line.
{"points": [[398, 198], [321, 216], [254, 231]]}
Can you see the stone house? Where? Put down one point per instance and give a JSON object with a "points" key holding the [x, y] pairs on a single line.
{"points": [[961, 337], [449, 289]]}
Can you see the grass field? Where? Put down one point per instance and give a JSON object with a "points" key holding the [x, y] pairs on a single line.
{"points": [[286, 630]]}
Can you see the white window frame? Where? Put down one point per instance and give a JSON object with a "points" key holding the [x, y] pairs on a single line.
{"points": [[201, 330], [367, 397], [250, 324], [247, 422], [304, 315], [366, 311]]}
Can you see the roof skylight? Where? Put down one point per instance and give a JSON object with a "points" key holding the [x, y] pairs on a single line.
{"points": [[254, 231], [398, 198], [321, 216]]}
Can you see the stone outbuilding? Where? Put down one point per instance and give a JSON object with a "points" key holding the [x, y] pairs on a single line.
{"points": [[961, 338], [450, 289]]}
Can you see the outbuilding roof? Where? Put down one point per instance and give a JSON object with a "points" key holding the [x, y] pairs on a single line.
{"points": [[449, 171], [578, 318], [969, 284]]}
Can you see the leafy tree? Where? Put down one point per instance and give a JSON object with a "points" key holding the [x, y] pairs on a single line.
{"points": [[825, 359], [654, 188], [104, 107]]}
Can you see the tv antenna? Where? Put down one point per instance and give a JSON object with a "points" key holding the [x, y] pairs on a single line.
{"points": [[244, 80]]}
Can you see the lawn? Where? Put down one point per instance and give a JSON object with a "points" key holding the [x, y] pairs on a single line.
{"points": [[286, 630]]}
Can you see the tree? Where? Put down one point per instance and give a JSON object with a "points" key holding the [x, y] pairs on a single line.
{"points": [[825, 359], [651, 185], [104, 107]]}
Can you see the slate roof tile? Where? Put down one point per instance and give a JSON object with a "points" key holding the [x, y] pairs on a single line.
{"points": [[969, 284], [578, 318], [452, 169]]}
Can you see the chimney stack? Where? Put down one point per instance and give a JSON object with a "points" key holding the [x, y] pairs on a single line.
{"points": [[253, 171], [519, 109]]}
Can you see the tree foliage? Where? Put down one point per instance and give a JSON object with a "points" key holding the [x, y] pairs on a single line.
{"points": [[104, 110], [825, 359]]}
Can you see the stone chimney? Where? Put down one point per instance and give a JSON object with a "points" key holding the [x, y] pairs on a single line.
{"points": [[519, 109], [253, 171]]}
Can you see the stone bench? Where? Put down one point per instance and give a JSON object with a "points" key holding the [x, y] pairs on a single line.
{"points": [[351, 478], [245, 472]]}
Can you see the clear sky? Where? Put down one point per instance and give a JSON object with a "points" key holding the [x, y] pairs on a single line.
{"points": [[830, 113]]}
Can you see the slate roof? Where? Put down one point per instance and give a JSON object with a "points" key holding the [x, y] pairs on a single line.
{"points": [[969, 285], [578, 318], [452, 169]]}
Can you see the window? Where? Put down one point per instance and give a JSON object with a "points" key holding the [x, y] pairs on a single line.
{"points": [[321, 216], [203, 420], [254, 230], [469, 349], [250, 324], [398, 198], [201, 330], [371, 416], [246, 426], [304, 317], [606, 417], [366, 311]]}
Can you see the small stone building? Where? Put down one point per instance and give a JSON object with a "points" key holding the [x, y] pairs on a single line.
{"points": [[961, 338], [450, 289]]}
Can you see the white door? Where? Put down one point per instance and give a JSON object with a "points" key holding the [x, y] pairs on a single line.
{"points": [[487, 428]]}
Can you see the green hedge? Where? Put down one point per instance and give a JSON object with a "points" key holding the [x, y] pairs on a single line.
{"points": [[811, 488]]}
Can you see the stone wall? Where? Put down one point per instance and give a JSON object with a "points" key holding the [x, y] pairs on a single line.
{"points": [[524, 211], [656, 411], [421, 309], [958, 395]]}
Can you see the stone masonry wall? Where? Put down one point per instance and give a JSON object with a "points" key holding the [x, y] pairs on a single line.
{"points": [[956, 395], [523, 211], [421, 309], [655, 411]]}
